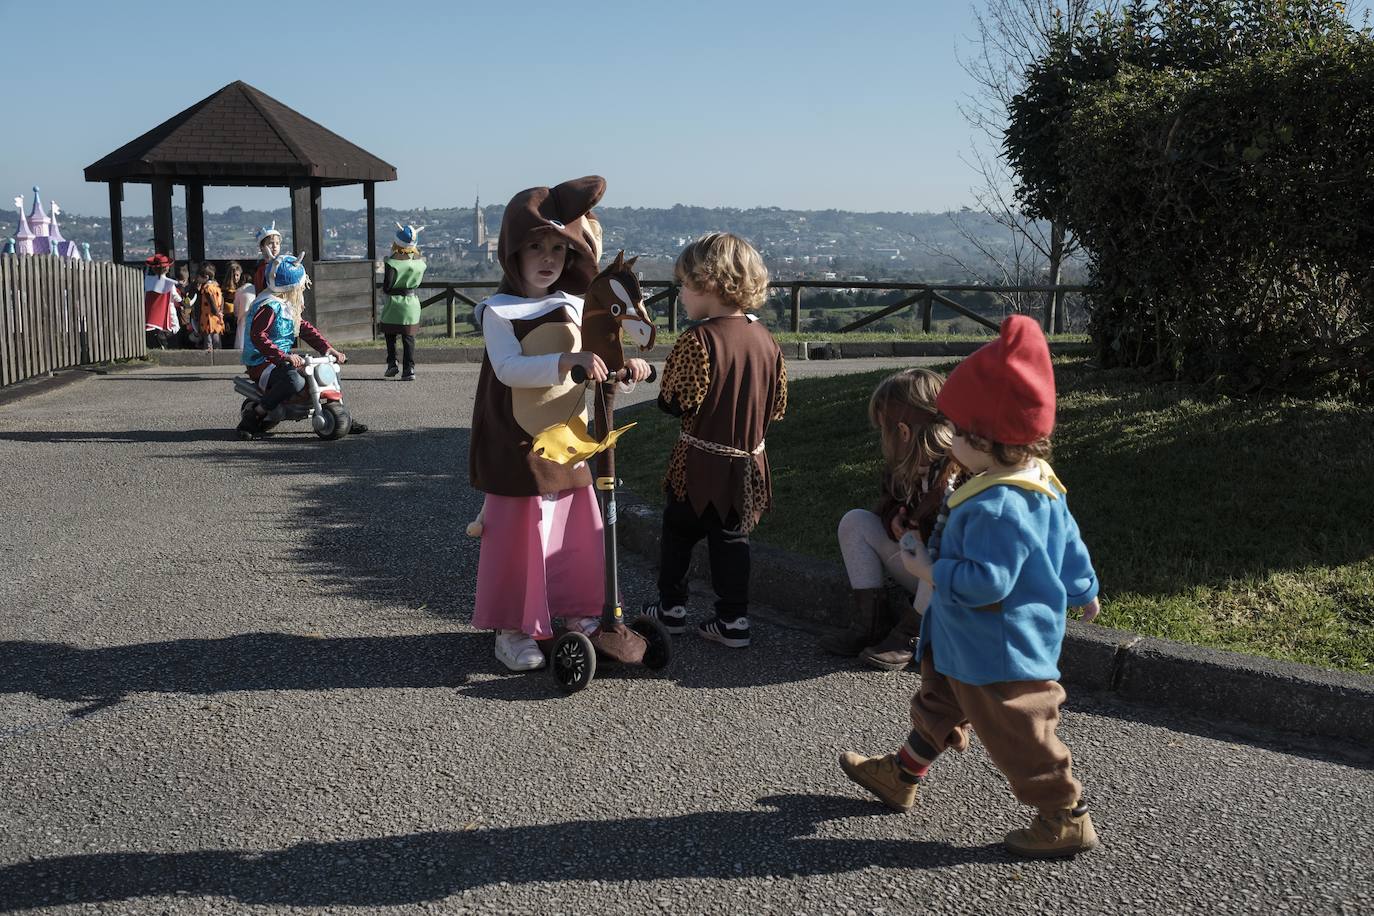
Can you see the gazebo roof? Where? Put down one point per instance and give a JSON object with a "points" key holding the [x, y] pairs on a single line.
{"points": [[241, 136]]}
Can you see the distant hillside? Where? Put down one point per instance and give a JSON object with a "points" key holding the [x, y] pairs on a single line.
{"points": [[795, 243]]}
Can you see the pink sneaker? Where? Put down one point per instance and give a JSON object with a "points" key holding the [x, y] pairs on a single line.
{"points": [[587, 626]]}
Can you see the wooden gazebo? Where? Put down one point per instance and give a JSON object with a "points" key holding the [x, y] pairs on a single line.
{"points": [[239, 137]]}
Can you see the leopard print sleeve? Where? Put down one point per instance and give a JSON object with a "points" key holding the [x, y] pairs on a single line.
{"points": [[780, 398], [686, 376]]}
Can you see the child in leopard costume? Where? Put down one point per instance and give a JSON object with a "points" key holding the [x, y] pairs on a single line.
{"points": [[727, 380]]}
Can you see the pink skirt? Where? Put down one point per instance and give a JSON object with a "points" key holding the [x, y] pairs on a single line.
{"points": [[540, 559]]}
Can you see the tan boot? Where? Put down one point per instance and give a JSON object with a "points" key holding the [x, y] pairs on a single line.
{"points": [[881, 776], [898, 647], [866, 623], [1054, 834]]}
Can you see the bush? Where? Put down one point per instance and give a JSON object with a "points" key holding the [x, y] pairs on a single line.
{"points": [[1223, 186]]}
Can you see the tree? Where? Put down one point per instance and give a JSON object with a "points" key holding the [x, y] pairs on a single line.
{"points": [[1213, 156], [1009, 37]]}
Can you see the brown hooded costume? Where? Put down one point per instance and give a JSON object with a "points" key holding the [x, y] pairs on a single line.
{"points": [[506, 419]]}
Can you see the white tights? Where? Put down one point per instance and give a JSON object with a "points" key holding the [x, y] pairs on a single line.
{"points": [[869, 553]]}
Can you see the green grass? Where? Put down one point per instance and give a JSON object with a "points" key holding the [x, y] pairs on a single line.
{"points": [[1232, 524]]}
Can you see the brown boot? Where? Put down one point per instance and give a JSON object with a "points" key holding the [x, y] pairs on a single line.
{"points": [[881, 776], [866, 624], [1054, 835], [898, 647]]}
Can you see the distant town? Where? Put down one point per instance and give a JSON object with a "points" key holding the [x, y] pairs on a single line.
{"points": [[801, 244]]}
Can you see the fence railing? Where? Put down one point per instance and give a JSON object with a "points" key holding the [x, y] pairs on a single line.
{"points": [[923, 296], [56, 313]]}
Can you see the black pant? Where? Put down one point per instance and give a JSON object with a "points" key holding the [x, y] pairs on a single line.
{"points": [[281, 385], [407, 347], [728, 548]]}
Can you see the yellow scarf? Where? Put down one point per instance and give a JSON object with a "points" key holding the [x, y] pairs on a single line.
{"points": [[1038, 478]]}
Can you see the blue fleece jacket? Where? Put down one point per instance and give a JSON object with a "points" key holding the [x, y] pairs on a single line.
{"points": [[1010, 564]]}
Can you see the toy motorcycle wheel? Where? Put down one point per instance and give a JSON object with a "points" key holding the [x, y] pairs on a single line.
{"points": [[573, 661], [332, 422], [660, 650]]}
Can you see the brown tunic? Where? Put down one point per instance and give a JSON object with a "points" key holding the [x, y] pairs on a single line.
{"points": [[920, 506], [505, 420], [727, 379]]}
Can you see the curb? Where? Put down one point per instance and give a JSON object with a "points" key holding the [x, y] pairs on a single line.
{"points": [[64, 378], [1140, 669], [42, 384], [807, 350]]}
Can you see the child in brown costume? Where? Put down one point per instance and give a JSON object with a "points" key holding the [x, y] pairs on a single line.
{"points": [[1005, 565], [726, 379], [917, 476], [210, 320]]}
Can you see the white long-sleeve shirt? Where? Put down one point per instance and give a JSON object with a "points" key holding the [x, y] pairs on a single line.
{"points": [[494, 316]]}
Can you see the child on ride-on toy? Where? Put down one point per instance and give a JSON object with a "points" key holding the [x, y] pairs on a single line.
{"points": [[274, 321]]}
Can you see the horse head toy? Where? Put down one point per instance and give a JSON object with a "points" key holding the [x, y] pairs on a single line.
{"points": [[614, 305]]}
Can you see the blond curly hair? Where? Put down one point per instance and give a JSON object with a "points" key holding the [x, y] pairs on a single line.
{"points": [[726, 266]]}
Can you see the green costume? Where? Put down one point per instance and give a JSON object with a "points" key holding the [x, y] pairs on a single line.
{"points": [[400, 279]]}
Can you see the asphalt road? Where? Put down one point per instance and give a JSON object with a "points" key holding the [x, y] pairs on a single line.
{"points": [[237, 677]]}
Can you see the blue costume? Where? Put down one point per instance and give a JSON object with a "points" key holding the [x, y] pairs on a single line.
{"points": [[1010, 564]]}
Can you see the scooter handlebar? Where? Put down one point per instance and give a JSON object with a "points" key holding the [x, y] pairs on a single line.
{"points": [[579, 375]]}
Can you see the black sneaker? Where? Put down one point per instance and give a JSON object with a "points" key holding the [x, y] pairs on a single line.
{"points": [[392, 370], [674, 619], [732, 633], [250, 424], [409, 376]]}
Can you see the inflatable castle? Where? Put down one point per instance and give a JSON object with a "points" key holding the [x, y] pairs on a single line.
{"points": [[39, 233]]}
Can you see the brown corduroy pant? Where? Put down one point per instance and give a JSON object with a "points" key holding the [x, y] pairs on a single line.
{"points": [[1016, 722]]}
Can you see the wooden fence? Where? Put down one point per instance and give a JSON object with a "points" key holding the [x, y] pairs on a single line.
{"points": [[922, 296], [60, 312]]}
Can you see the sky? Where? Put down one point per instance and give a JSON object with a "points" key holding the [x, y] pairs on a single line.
{"points": [[710, 103], [739, 103]]}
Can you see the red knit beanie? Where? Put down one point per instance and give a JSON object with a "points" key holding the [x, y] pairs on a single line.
{"points": [[1005, 390]]}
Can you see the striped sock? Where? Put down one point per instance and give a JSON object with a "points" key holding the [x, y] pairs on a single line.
{"points": [[914, 758]]}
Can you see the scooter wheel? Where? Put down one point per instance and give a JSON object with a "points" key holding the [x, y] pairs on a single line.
{"points": [[334, 421], [660, 650], [573, 661]]}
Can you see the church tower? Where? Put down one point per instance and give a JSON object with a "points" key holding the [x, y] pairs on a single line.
{"points": [[479, 225]]}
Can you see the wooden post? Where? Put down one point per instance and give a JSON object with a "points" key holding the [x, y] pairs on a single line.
{"points": [[164, 241], [370, 196], [927, 307], [316, 223], [301, 235], [448, 313], [117, 222], [672, 309], [796, 308], [195, 221]]}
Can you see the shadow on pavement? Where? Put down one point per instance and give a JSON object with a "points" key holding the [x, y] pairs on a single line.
{"points": [[222, 434], [392, 870], [378, 517], [250, 661]]}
